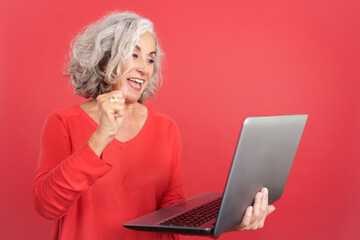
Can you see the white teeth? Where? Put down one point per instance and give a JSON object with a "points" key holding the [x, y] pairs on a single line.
{"points": [[137, 80]]}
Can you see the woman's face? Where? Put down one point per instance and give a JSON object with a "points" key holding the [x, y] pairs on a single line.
{"points": [[137, 75]]}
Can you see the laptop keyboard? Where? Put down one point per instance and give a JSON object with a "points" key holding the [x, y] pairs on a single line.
{"points": [[196, 216]]}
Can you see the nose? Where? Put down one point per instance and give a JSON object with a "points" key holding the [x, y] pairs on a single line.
{"points": [[141, 66]]}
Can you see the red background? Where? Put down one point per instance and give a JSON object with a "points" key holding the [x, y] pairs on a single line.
{"points": [[225, 60]]}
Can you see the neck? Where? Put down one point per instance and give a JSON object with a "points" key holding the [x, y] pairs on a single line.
{"points": [[132, 110]]}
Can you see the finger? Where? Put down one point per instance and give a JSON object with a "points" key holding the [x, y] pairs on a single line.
{"points": [[124, 90], [118, 93], [119, 113], [111, 114], [120, 97], [247, 217], [115, 92], [110, 99], [102, 98], [264, 207], [257, 206], [264, 201], [270, 209], [112, 109], [118, 109]]}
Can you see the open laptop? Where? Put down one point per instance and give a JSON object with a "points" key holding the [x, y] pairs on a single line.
{"points": [[263, 157]]}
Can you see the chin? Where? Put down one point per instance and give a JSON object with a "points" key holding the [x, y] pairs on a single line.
{"points": [[132, 99]]}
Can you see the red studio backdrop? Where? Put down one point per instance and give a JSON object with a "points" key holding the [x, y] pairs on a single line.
{"points": [[225, 60]]}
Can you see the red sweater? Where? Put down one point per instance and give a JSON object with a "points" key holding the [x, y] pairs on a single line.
{"points": [[91, 197]]}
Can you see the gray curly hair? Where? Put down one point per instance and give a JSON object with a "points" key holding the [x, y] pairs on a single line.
{"points": [[100, 51]]}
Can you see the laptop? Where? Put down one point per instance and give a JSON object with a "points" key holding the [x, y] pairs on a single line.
{"points": [[263, 157]]}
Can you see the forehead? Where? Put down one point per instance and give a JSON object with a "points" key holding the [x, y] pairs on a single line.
{"points": [[147, 43]]}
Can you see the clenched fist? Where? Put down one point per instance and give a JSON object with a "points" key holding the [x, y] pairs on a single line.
{"points": [[111, 107]]}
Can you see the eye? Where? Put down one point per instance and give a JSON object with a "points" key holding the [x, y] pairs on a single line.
{"points": [[151, 61], [135, 55]]}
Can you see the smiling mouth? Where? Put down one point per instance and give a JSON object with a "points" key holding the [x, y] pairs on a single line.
{"points": [[135, 83]]}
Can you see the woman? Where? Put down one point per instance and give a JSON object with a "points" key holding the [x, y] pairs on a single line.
{"points": [[111, 159]]}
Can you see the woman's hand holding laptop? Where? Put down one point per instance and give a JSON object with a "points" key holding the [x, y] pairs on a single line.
{"points": [[254, 217]]}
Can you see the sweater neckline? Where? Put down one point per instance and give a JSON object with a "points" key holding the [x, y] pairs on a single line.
{"points": [[116, 141]]}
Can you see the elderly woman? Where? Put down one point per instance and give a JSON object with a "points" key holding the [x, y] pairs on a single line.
{"points": [[112, 159]]}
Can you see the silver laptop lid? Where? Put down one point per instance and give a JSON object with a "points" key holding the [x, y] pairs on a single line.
{"points": [[263, 158]]}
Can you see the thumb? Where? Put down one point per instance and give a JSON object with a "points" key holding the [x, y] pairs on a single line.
{"points": [[270, 209], [124, 90]]}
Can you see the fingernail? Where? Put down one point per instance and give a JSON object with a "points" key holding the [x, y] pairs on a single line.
{"points": [[260, 195], [266, 191]]}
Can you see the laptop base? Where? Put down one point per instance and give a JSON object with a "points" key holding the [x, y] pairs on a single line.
{"points": [[151, 221]]}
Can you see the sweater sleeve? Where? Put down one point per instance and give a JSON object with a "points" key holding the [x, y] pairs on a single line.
{"points": [[63, 174], [174, 192]]}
